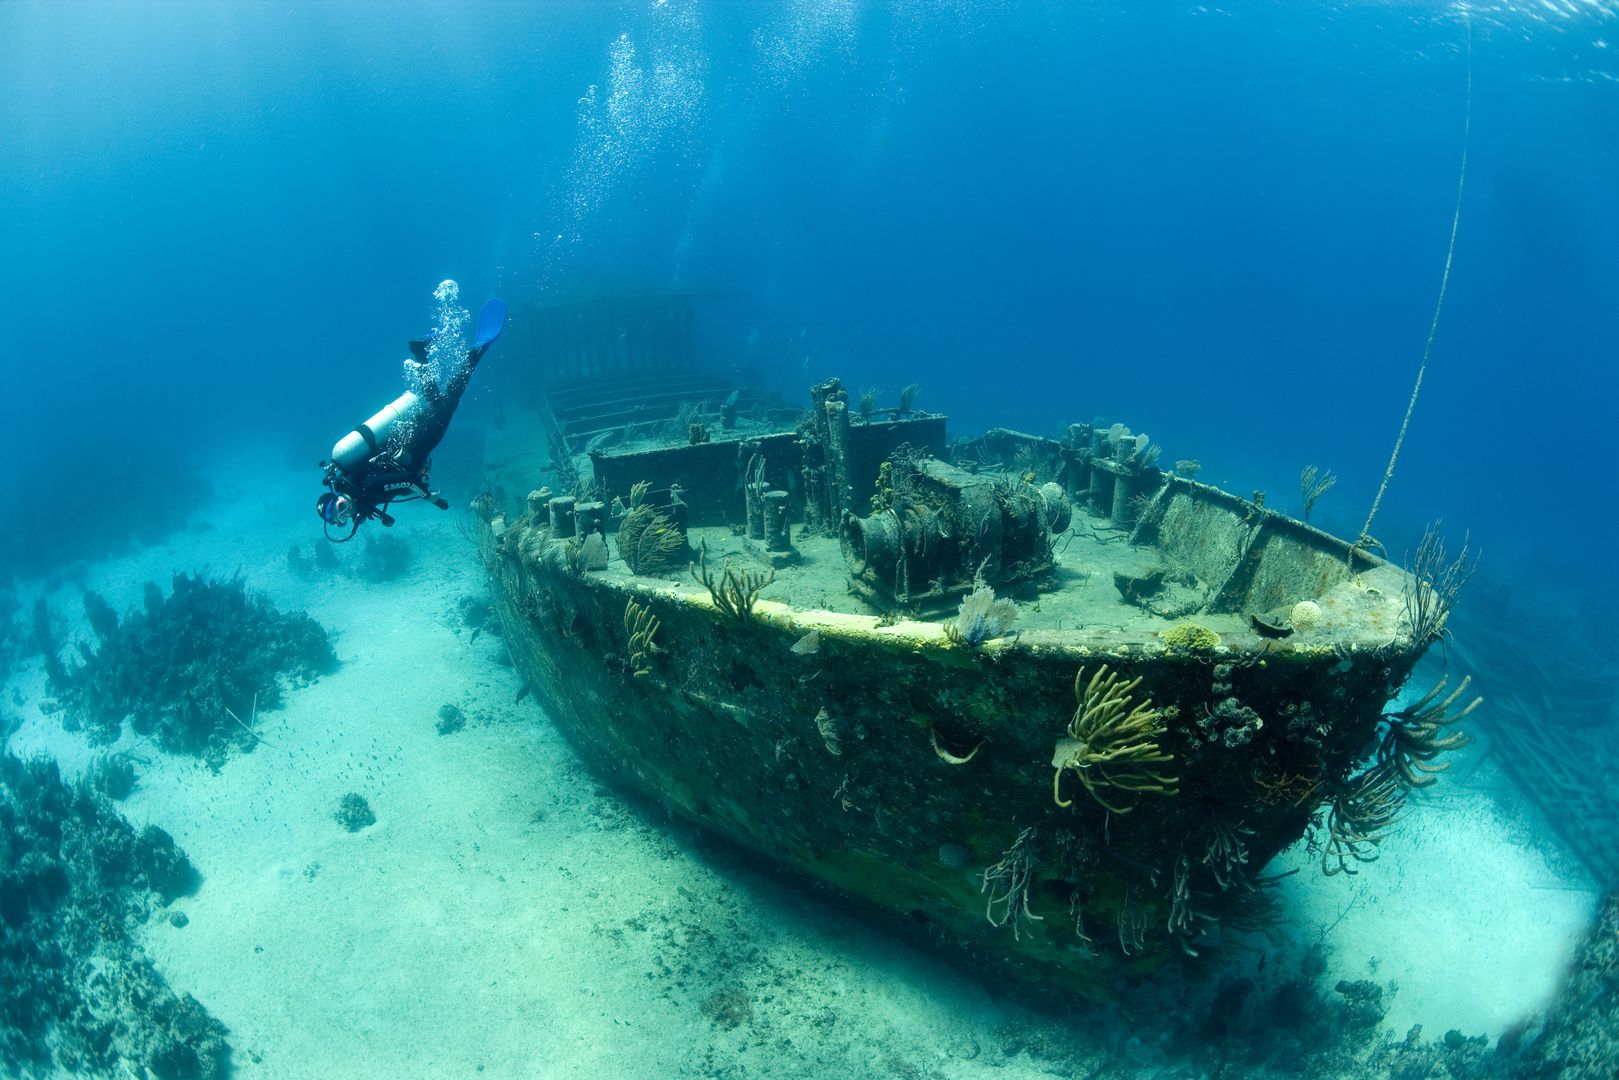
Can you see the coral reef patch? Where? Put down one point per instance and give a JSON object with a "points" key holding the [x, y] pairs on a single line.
{"points": [[190, 669], [354, 813], [78, 995], [1581, 1036]]}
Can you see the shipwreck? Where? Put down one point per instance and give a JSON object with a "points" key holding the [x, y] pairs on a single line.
{"points": [[1046, 700]]}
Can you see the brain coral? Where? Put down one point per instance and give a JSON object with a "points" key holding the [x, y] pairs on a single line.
{"points": [[1190, 636], [1306, 615]]}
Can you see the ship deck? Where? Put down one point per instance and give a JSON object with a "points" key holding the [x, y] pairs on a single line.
{"points": [[1080, 607]]}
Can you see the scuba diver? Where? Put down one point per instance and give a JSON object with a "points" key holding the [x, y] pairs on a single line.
{"points": [[385, 459]]}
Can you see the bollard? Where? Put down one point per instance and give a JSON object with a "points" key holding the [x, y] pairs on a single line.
{"points": [[589, 517], [562, 516], [777, 528]]}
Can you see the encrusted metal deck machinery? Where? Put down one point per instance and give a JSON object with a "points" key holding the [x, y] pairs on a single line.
{"points": [[1035, 698]]}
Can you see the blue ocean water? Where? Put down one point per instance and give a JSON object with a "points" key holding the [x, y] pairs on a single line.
{"points": [[1224, 225]]}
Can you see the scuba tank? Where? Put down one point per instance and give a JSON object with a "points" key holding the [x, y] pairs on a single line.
{"points": [[366, 439]]}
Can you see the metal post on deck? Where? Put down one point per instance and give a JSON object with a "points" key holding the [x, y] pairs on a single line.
{"points": [[837, 454]]}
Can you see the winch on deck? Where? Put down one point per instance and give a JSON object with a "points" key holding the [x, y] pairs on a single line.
{"points": [[938, 530]]}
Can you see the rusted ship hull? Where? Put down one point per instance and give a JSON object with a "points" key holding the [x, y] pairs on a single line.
{"points": [[902, 769], [1035, 697]]}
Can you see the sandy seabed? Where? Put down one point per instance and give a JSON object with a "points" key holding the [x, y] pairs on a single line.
{"points": [[508, 916]]}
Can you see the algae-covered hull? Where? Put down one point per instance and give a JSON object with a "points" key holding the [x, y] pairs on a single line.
{"points": [[847, 693]]}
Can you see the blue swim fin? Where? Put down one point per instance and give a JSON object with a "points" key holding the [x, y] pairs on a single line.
{"points": [[491, 321]]}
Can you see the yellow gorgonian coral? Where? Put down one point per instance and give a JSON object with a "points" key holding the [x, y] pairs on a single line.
{"points": [[1112, 743]]}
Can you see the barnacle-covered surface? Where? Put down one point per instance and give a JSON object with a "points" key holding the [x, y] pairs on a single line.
{"points": [[879, 659], [874, 760]]}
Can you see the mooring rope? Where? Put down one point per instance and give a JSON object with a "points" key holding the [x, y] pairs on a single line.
{"points": [[1365, 538]]}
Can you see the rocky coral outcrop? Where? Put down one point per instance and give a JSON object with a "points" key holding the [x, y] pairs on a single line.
{"points": [[189, 669], [78, 995]]}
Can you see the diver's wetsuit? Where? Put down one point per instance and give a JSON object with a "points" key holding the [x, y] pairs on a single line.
{"points": [[427, 425], [396, 471], [399, 469]]}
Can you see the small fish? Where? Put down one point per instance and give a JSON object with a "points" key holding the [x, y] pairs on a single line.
{"points": [[808, 645]]}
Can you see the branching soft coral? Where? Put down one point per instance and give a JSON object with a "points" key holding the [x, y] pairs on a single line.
{"points": [[1417, 734], [182, 666], [1112, 742]]}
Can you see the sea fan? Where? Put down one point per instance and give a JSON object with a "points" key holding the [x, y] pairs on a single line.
{"points": [[981, 618], [593, 552]]}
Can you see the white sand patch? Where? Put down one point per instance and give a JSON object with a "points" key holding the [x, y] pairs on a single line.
{"points": [[505, 916], [1469, 908]]}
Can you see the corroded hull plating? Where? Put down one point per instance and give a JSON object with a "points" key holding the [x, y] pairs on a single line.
{"points": [[918, 774]]}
